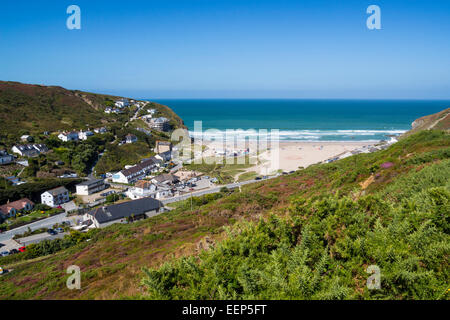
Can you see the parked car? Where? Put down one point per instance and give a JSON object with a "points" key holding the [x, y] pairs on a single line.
{"points": [[257, 178], [22, 249], [59, 230], [13, 251], [52, 232], [4, 254]]}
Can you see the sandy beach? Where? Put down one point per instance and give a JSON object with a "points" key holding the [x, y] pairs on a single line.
{"points": [[285, 156]]}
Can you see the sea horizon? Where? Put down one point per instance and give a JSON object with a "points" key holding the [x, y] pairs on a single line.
{"points": [[314, 120]]}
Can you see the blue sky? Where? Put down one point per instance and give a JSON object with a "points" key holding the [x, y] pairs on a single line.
{"points": [[231, 49]]}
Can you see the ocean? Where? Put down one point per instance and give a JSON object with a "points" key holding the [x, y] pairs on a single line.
{"points": [[306, 120]]}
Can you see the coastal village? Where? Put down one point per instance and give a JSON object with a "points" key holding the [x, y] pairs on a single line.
{"points": [[135, 192]]}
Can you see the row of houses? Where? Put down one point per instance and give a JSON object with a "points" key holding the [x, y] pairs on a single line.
{"points": [[82, 135], [138, 172], [30, 150], [159, 187]]}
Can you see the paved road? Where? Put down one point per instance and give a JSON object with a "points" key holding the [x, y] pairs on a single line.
{"points": [[44, 223], [36, 238], [212, 190]]}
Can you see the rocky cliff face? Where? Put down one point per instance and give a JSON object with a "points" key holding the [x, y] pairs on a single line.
{"points": [[440, 120]]}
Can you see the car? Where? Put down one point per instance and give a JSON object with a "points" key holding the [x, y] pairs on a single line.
{"points": [[265, 177], [4, 254], [284, 172], [257, 178], [52, 232], [59, 230], [13, 251], [291, 172], [22, 249]]}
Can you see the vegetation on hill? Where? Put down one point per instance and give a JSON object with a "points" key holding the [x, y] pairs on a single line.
{"points": [[307, 235]]}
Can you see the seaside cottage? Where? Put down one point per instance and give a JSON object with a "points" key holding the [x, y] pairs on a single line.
{"points": [[68, 136], [138, 172], [27, 150], [55, 197], [131, 138]]}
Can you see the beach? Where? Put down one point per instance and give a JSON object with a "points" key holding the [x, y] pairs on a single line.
{"points": [[284, 156]]}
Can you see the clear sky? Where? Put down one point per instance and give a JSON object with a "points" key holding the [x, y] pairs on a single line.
{"points": [[231, 49]]}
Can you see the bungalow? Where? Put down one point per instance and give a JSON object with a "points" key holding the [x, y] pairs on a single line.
{"points": [[137, 172], [55, 197], [10, 209], [26, 150], [131, 138], [5, 157], [108, 110], [91, 186], [122, 212], [165, 179], [84, 135], [68, 136]]}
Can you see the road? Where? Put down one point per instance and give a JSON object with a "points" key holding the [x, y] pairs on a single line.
{"points": [[211, 190], [44, 223], [36, 238], [49, 222]]}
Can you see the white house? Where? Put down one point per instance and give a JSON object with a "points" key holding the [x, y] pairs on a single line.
{"points": [[90, 186], [141, 190], [25, 150], [68, 136], [122, 103], [100, 130], [24, 138], [108, 110], [55, 197], [84, 135], [131, 138]]}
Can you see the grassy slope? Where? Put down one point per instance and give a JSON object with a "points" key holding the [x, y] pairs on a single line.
{"points": [[37, 108], [112, 261]]}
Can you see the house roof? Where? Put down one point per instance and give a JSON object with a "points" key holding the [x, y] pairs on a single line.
{"points": [[56, 191], [18, 205], [125, 209], [142, 184], [90, 182], [141, 166], [166, 177]]}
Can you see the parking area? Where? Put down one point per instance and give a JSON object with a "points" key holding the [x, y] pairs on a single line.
{"points": [[95, 196], [36, 238], [8, 245]]}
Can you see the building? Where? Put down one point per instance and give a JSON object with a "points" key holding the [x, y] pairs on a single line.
{"points": [[68, 136], [123, 212], [141, 189], [55, 197], [40, 147], [108, 110], [100, 130], [165, 179], [26, 150], [122, 103], [26, 138], [5, 157], [138, 172], [163, 146], [91, 186], [160, 124], [131, 138], [11, 209], [84, 135]]}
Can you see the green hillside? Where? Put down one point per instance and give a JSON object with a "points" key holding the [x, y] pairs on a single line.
{"points": [[26, 108], [310, 235]]}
